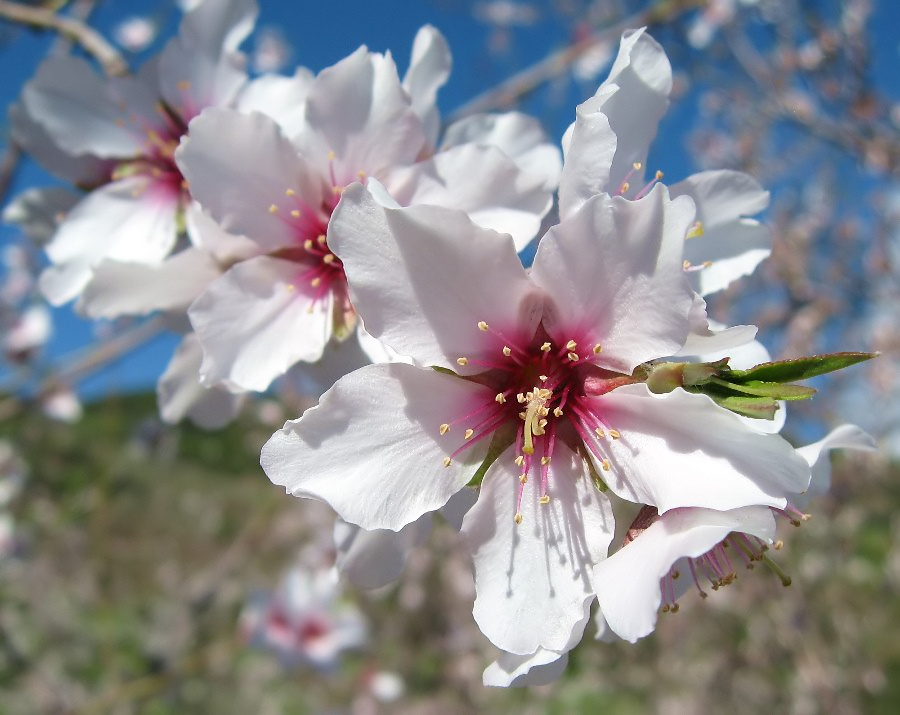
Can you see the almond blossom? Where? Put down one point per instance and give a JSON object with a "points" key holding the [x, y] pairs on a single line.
{"points": [[278, 183], [528, 380]]}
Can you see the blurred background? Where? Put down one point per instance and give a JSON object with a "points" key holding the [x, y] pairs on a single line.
{"points": [[148, 567]]}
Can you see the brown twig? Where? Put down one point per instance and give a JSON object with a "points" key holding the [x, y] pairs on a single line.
{"points": [[85, 36]]}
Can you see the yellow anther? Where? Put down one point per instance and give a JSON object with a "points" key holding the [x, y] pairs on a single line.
{"points": [[444, 428], [290, 192], [658, 175], [507, 351], [686, 264], [469, 434], [291, 287], [337, 190], [545, 499], [462, 361], [600, 433], [521, 399], [598, 348], [523, 479], [321, 239], [606, 465], [273, 209], [500, 398], [446, 461], [295, 213], [482, 326], [331, 156], [361, 175], [316, 282], [557, 412], [571, 345], [545, 460], [328, 258], [184, 85], [696, 230], [573, 357], [542, 378], [522, 417], [707, 264], [637, 166], [308, 244], [520, 460], [614, 433], [624, 188], [546, 347], [517, 518], [779, 545]]}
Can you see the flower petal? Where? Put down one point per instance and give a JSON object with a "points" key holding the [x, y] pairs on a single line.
{"points": [[613, 272], [510, 670], [817, 456], [372, 559], [532, 579], [423, 277], [372, 448], [254, 323], [680, 449], [628, 582], [429, 69]]}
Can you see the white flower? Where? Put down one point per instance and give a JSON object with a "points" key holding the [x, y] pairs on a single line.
{"points": [[537, 369], [278, 184]]}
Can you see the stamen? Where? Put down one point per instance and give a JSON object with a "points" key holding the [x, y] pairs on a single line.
{"points": [[598, 348], [507, 351], [520, 460], [500, 398], [445, 428], [517, 518], [545, 499], [482, 326], [446, 461], [614, 434], [469, 434], [463, 361], [546, 347], [290, 192], [571, 345], [273, 209]]}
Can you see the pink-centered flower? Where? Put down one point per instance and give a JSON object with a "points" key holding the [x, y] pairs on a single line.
{"points": [[530, 375]]}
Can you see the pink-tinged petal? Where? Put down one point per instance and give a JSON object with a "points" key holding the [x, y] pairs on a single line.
{"points": [[241, 185], [643, 77], [510, 670], [483, 182], [132, 220], [360, 119], [88, 114], [207, 235], [590, 149], [258, 320], [118, 289], [81, 170], [817, 455], [680, 449], [372, 559], [703, 341], [281, 98], [372, 448], [517, 135], [423, 277], [731, 243], [429, 69], [181, 395], [190, 80], [628, 582], [532, 579], [613, 273]]}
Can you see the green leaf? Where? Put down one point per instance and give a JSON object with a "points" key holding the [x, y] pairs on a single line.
{"points": [[499, 442], [798, 368], [761, 408], [775, 390]]}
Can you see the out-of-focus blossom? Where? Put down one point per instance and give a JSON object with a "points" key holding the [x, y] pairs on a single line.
{"points": [[61, 403], [28, 333], [135, 33], [271, 51], [304, 622], [506, 13]]}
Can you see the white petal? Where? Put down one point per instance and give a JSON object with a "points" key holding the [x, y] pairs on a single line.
{"points": [[190, 80], [704, 342], [510, 670], [679, 449], [372, 559], [483, 182], [37, 212], [532, 579], [643, 77], [372, 449], [423, 277], [590, 148], [817, 456], [181, 395], [217, 27], [255, 322], [429, 68], [613, 272], [519, 136], [281, 98], [340, 357], [628, 582], [360, 119], [240, 186]]}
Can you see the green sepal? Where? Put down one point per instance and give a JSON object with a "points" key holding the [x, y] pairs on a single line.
{"points": [[797, 369], [774, 390], [760, 408], [501, 439]]}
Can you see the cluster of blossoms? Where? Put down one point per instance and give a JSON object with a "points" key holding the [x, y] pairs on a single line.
{"points": [[272, 219]]}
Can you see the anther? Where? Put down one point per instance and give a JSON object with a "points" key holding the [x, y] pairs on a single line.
{"points": [[321, 239], [523, 479], [571, 345], [290, 192], [686, 265], [598, 348], [328, 258], [778, 545], [316, 282], [614, 433], [469, 434], [361, 175], [605, 464], [545, 499], [295, 213], [623, 189], [331, 156], [696, 230], [500, 398], [462, 361], [273, 209], [183, 85], [308, 244], [506, 351], [520, 398], [444, 428], [542, 378], [546, 347], [637, 166], [557, 412], [517, 518], [446, 461], [573, 357], [600, 433], [482, 326], [520, 460], [545, 460]]}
